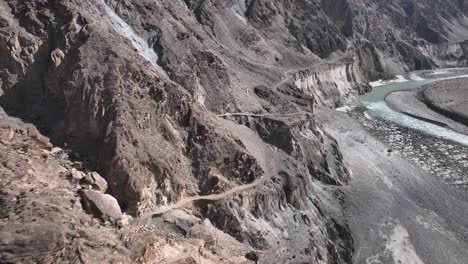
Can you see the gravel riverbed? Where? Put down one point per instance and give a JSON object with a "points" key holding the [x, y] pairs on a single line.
{"points": [[444, 158]]}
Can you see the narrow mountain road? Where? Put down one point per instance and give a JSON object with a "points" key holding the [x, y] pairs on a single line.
{"points": [[254, 144], [210, 197], [264, 115]]}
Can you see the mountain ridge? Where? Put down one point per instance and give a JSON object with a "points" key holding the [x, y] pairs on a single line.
{"points": [[145, 92]]}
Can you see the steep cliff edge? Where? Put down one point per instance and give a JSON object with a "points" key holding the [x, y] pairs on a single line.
{"points": [[207, 106]]}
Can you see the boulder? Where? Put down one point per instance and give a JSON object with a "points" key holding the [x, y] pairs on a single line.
{"points": [[124, 221], [96, 181], [56, 150], [57, 57], [101, 205], [76, 175]]}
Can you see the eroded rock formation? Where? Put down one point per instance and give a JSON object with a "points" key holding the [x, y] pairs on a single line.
{"points": [[203, 104]]}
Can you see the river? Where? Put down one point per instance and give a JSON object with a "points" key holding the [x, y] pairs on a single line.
{"points": [[377, 107], [407, 205]]}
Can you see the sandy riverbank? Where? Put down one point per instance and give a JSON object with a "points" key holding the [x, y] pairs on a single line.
{"points": [[442, 103], [449, 98]]}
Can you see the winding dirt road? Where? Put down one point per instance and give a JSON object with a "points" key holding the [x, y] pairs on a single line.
{"points": [[264, 115], [211, 197], [253, 148]]}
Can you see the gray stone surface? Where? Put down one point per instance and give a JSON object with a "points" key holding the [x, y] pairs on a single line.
{"points": [[96, 181], [101, 205]]}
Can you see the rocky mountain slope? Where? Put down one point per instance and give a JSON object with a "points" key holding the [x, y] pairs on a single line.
{"points": [[205, 106]]}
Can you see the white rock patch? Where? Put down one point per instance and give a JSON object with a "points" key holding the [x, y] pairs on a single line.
{"points": [[401, 247], [397, 79], [138, 43]]}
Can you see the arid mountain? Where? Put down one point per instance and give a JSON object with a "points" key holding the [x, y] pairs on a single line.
{"points": [[199, 116]]}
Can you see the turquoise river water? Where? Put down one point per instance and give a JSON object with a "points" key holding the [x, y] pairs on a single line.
{"points": [[377, 107]]}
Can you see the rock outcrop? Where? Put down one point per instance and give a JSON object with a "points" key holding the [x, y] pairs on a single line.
{"points": [[41, 214]]}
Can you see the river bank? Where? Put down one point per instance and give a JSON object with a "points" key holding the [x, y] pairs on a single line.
{"points": [[444, 158], [397, 207], [442, 103], [401, 116], [414, 114], [449, 98], [407, 201]]}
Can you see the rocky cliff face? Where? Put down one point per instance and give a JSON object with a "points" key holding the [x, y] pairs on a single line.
{"points": [[208, 105], [337, 81]]}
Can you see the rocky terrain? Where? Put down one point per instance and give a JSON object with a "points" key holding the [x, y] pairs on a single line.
{"points": [[407, 199], [438, 156], [185, 131]]}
